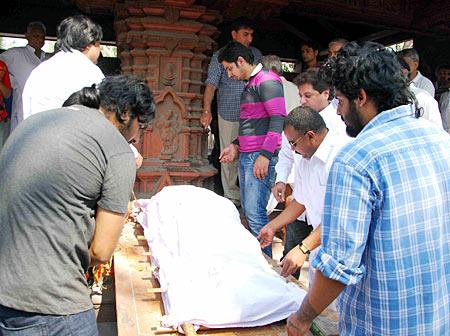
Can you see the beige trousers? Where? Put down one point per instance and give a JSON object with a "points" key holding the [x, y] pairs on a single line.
{"points": [[228, 131]]}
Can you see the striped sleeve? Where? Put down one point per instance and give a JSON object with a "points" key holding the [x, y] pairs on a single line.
{"points": [[272, 96]]}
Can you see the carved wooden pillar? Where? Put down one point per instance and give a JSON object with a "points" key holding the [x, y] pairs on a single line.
{"points": [[163, 42]]}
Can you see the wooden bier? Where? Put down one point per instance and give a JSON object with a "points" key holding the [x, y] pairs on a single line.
{"points": [[139, 303]]}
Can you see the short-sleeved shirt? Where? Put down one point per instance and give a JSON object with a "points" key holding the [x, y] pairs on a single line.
{"points": [[228, 90], [56, 168]]}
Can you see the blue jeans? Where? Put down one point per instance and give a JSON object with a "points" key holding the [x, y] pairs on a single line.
{"points": [[19, 323], [255, 193]]}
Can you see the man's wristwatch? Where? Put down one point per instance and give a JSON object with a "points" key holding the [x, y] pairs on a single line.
{"points": [[304, 249]]}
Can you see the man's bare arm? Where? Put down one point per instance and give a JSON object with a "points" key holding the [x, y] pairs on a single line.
{"points": [[322, 293], [208, 97], [108, 227]]}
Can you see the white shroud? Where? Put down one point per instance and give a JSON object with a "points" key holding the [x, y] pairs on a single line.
{"points": [[210, 266]]}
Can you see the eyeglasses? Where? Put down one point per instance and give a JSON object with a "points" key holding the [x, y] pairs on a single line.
{"points": [[293, 143]]}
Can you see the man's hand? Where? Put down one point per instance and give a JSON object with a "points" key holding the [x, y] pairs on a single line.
{"points": [[292, 261], [229, 154], [206, 118], [261, 167], [295, 327], [266, 235], [279, 191]]}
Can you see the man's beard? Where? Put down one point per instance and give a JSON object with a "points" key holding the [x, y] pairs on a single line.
{"points": [[124, 129], [353, 123], [351, 132]]}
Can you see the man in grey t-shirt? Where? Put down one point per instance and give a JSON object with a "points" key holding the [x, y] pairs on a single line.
{"points": [[66, 179]]}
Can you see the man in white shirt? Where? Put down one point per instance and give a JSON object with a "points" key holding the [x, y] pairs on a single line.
{"points": [[411, 56], [313, 93], [425, 101], [21, 61], [309, 137], [69, 70], [316, 94]]}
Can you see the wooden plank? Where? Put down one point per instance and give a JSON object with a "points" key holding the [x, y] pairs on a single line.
{"points": [[138, 311], [139, 305]]}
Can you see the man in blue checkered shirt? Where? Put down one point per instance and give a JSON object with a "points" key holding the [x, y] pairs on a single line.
{"points": [[228, 103], [386, 224]]}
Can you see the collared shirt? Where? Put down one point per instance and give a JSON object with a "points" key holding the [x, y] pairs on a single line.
{"points": [[52, 82], [386, 228], [333, 121], [228, 90], [424, 83], [262, 113], [428, 104], [287, 156], [311, 176], [20, 61]]}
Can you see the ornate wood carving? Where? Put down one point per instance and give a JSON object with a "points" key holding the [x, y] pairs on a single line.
{"points": [[163, 42]]}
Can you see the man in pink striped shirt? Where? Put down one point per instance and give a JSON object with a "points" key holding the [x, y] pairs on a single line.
{"points": [[262, 113]]}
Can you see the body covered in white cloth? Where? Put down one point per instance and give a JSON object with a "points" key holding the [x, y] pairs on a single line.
{"points": [[209, 265]]}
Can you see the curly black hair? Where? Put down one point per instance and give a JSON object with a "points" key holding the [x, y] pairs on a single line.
{"points": [[375, 69], [127, 93]]}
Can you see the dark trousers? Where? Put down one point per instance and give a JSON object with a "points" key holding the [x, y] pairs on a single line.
{"points": [[18, 323], [295, 233]]}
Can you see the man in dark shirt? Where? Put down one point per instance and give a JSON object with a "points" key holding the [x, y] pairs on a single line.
{"points": [[67, 176]]}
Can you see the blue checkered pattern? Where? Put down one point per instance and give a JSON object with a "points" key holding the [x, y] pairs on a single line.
{"points": [[228, 90], [386, 228]]}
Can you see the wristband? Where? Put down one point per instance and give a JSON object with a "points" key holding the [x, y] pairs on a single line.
{"points": [[304, 249]]}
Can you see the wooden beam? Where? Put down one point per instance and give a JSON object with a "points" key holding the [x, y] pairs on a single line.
{"points": [[331, 28], [290, 28], [378, 35]]}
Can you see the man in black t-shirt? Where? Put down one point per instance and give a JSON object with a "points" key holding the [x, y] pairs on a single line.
{"points": [[67, 177]]}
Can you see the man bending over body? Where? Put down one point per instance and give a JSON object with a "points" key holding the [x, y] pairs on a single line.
{"points": [[67, 177]]}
